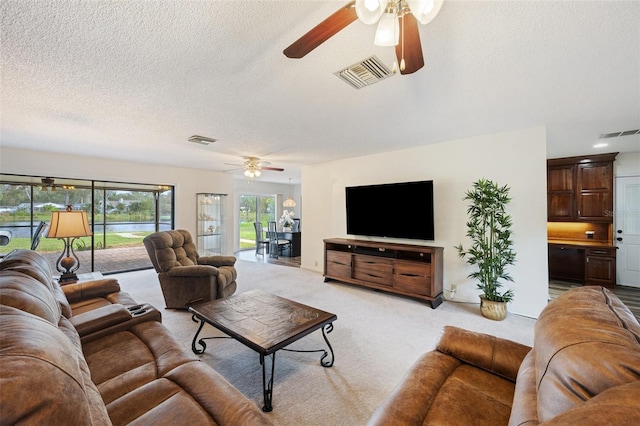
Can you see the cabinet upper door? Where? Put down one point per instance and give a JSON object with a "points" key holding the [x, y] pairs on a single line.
{"points": [[595, 191], [561, 193]]}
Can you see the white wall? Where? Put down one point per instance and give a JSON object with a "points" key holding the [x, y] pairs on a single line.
{"points": [[517, 159], [187, 182], [627, 164]]}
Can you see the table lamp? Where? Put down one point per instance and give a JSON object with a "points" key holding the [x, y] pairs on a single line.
{"points": [[68, 225]]}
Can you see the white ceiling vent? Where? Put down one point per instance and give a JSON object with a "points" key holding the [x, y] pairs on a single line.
{"points": [[202, 140], [619, 134], [365, 73]]}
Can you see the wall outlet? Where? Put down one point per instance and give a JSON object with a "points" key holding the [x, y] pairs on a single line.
{"points": [[452, 292], [316, 263]]}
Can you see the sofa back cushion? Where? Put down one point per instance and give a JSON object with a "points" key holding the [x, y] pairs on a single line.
{"points": [[44, 378], [26, 268], [586, 342], [29, 295], [168, 249]]}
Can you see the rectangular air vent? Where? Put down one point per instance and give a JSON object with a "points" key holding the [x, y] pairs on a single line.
{"points": [[202, 140], [619, 134], [365, 73]]}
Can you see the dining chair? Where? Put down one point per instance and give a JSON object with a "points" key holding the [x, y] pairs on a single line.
{"points": [[276, 245], [261, 242]]}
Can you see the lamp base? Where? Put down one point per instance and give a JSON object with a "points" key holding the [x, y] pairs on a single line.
{"points": [[68, 278]]}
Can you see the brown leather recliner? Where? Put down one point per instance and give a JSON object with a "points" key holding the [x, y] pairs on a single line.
{"points": [[186, 278]]}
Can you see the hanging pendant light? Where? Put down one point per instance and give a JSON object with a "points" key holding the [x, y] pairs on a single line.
{"points": [[289, 202]]}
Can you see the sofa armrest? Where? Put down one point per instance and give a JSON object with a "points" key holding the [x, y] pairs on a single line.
{"points": [[619, 405], [89, 289], [193, 271], [498, 356], [99, 319], [217, 261]]}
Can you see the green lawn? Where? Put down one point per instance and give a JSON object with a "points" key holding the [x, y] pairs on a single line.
{"points": [[51, 244], [247, 235]]}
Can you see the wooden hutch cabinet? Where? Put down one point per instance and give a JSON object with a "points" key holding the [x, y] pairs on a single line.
{"points": [[580, 202], [410, 270], [580, 188]]}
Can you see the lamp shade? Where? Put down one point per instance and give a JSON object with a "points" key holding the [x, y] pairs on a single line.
{"points": [[388, 31], [369, 11], [69, 224], [425, 10]]}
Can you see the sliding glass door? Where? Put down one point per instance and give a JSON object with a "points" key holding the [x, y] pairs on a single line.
{"points": [[120, 216], [254, 208]]}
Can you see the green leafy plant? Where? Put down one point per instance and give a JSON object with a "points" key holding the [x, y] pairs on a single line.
{"points": [[489, 228]]}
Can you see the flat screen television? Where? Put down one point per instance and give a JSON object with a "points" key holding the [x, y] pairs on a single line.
{"points": [[395, 210]]}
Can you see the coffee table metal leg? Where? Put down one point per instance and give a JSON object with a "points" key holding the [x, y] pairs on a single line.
{"points": [[267, 384], [328, 328], [195, 338]]}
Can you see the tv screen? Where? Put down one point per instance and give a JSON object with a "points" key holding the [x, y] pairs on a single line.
{"points": [[396, 210]]}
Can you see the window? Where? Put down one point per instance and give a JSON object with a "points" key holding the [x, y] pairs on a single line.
{"points": [[120, 215]]}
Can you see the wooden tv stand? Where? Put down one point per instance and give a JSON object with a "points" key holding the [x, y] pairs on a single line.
{"points": [[410, 270]]}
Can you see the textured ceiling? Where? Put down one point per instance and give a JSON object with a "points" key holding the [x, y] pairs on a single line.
{"points": [[134, 79]]}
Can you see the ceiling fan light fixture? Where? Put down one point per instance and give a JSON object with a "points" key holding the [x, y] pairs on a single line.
{"points": [[388, 31], [425, 10], [369, 11]]}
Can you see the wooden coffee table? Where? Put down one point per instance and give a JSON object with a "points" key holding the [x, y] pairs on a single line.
{"points": [[265, 323]]}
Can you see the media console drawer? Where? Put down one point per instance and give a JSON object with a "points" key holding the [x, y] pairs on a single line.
{"points": [[373, 269], [338, 264], [410, 270], [412, 277]]}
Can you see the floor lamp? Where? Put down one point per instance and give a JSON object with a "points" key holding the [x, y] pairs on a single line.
{"points": [[68, 225]]}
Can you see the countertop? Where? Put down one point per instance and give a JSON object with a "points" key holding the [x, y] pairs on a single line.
{"points": [[582, 243]]}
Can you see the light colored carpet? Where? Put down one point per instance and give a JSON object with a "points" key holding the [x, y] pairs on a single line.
{"points": [[376, 338]]}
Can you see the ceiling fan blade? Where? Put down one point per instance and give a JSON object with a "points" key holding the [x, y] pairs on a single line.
{"points": [[409, 32], [323, 31], [273, 169]]}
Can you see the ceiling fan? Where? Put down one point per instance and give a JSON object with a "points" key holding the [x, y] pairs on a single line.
{"points": [[253, 167], [397, 26]]}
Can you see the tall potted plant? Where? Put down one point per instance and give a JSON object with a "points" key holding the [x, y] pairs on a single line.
{"points": [[489, 228]]}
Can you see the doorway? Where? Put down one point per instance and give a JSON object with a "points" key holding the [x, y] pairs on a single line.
{"points": [[627, 230], [254, 208]]}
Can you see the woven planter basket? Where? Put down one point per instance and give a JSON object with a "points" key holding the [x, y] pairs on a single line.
{"points": [[496, 311]]}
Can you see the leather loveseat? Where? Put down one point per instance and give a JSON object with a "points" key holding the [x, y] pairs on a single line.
{"points": [[583, 368], [125, 366]]}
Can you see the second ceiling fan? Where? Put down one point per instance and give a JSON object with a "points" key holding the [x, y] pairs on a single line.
{"points": [[397, 26], [253, 167]]}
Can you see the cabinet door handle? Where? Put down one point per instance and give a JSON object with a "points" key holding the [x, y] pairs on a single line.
{"points": [[619, 239]]}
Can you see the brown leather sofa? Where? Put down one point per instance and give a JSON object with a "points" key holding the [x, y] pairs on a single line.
{"points": [[583, 368], [126, 368], [186, 277]]}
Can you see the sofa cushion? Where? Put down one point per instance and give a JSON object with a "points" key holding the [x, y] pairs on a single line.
{"points": [[123, 361], [43, 376], [28, 294], [191, 393], [439, 388], [31, 264], [146, 377]]}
